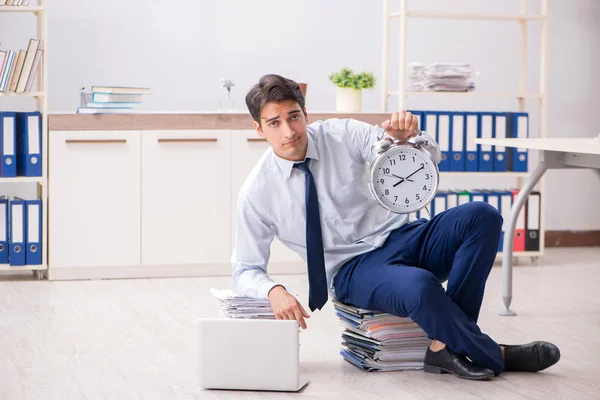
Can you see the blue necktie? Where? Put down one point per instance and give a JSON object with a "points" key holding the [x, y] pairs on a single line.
{"points": [[317, 295]]}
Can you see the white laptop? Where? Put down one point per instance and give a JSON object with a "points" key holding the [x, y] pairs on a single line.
{"points": [[249, 354]]}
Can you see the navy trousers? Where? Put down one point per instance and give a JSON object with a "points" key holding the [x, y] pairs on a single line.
{"points": [[404, 277]]}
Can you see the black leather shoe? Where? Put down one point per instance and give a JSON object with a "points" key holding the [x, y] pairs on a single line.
{"points": [[531, 357], [437, 362]]}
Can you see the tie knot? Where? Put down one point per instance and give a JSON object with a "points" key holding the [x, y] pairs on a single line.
{"points": [[303, 166]]}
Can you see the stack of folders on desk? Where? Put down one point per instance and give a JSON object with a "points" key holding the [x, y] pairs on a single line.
{"points": [[233, 305], [21, 149], [440, 77], [527, 229], [20, 231], [456, 132], [376, 341]]}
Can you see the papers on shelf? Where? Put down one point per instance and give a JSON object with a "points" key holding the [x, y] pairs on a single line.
{"points": [[440, 77], [376, 341]]}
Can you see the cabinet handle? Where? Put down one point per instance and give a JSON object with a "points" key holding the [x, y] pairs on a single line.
{"points": [[187, 140], [256, 140], [94, 141]]}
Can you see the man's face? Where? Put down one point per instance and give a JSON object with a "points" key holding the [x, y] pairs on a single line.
{"points": [[284, 127]]}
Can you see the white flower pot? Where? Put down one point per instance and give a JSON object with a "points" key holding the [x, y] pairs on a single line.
{"points": [[348, 100]]}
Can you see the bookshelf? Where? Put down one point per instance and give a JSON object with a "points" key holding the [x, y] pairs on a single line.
{"points": [[39, 94], [403, 94]]}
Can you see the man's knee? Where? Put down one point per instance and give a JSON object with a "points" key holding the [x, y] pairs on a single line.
{"points": [[484, 213], [417, 291]]}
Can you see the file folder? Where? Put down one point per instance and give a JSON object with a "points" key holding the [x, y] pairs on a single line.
{"points": [[533, 213], [439, 204], [517, 128], [478, 195], [451, 199], [430, 121], [29, 143], [519, 239], [444, 126], [8, 128], [17, 232], [493, 199], [500, 151], [464, 197], [505, 208], [485, 131], [471, 126], [33, 254], [457, 140], [4, 249]]}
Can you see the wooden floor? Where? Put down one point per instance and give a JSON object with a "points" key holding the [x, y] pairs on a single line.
{"points": [[134, 339]]}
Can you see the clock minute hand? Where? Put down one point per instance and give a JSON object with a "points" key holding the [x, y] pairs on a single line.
{"points": [[415, 172]]}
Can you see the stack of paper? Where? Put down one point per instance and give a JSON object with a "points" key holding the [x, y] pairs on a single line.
{"points": [[237, 306], [440, 77], [376, 341]]}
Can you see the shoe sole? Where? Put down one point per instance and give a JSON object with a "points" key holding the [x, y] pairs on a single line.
{"points": [[430, 369]]}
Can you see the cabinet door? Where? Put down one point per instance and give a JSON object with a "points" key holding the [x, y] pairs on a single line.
{"points": [[247, 148], [186, 197], [94, 191]]}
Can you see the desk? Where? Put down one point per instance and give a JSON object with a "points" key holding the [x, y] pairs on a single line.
{"points": [[555, 153]]}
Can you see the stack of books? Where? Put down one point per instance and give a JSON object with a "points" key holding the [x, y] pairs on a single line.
{"points": [[375, 341], [112, 100], [440, 77]]}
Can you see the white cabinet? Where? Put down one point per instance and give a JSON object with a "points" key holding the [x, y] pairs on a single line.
{"points": [[186, 197], [94, 206], [246, 149]]}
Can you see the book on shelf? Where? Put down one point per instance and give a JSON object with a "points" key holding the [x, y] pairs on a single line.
{"points": [[18, 68], [14, 3], [111, 99]]}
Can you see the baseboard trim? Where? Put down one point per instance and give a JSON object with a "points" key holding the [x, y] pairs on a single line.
{"points": [[160, 271], [572, 238]]}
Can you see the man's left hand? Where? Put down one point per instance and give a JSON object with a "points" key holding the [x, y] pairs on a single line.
{"points": [[401, 126]]}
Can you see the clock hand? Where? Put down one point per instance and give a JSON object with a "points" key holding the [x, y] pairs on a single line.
{"points": [[406, 179], [402, 180], [415, 172]]}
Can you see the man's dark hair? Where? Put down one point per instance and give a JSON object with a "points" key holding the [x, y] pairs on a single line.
{"points": [[272, 88]]}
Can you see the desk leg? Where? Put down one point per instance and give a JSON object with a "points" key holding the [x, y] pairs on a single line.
{"points": [[507, 247]]}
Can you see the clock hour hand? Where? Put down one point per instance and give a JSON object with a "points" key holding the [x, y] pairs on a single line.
{"points": [[406, 179]]}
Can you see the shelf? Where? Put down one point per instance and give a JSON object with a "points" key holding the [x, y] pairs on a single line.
{"points": [[7, 267], [33, 9], [23, 179], [24, 94], [473, 16], [483, 174], [474, 93]]}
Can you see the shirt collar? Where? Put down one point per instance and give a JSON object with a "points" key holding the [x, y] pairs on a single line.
{"points": [[286, 166]]}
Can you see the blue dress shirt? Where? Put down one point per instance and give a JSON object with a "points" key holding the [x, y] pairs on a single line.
{"points": [[271, 204]]}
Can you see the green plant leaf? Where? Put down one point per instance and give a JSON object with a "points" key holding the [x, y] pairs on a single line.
{"points": [[346, 78]]}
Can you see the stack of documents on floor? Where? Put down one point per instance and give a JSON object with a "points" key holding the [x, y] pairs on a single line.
{"points": [[375, 341], [111, 100], [237, 306], [440, 77]]}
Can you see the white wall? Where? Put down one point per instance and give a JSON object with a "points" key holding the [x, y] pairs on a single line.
{"points": [[181, 50]]}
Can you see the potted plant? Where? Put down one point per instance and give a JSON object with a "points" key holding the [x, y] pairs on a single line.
{"points": [[349, 86]]}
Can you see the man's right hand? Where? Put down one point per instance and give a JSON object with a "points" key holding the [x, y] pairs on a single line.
{"points": [[286, 306]]}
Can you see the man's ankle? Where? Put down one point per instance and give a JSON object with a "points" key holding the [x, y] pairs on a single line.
{"points": [[436, 346]]}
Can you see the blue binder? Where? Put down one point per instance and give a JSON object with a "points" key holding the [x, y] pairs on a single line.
{"points": [[517, 128], [33, 253], [29, 143], [471, 128], [430, 122], [485, 130], [8, 147], [443, 138], [18, 231], [457, 141], [500, 128], [4, 249]]}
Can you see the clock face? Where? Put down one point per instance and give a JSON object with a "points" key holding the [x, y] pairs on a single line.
{"points": [[404, 179]]}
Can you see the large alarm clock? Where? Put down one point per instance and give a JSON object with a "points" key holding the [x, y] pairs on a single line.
{"points": [[403, 176]]}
